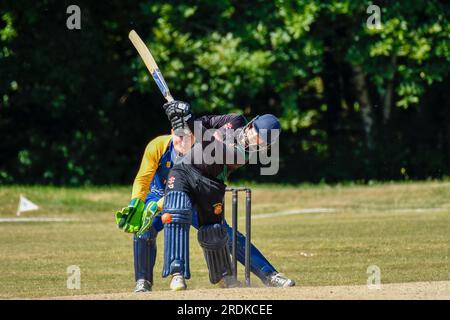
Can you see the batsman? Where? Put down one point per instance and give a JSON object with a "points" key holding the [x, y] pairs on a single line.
{"points": [[196, 184], [192, 197]]}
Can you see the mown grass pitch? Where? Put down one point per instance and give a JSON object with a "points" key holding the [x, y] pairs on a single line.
{"points": [[404, 229]]}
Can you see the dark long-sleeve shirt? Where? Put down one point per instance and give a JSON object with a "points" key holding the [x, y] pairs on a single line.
{"points": [[215, 152]]}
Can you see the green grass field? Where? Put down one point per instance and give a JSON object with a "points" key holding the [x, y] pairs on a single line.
{"points": [[404, 229]]}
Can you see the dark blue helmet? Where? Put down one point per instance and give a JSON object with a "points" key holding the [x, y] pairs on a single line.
{"points": [[264, 125]]}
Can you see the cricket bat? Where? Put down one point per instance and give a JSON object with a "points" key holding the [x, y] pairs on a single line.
{"points": [[150, 63]]}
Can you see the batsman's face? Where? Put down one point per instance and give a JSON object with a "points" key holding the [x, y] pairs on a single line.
{"points": [[253, 137], [182, 144]]}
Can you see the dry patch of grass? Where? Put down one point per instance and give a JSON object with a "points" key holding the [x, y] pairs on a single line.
{"points": [[373, 225]]}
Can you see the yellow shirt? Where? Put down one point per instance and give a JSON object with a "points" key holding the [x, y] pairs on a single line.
{"points": [[149, 164]]}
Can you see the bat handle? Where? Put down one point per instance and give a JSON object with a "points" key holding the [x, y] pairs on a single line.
{"points": [[169, 97]]}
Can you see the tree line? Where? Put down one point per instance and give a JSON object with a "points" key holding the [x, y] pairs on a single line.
{"points": [[356, 101]]}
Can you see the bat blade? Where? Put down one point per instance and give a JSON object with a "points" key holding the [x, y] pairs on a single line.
{"points": [[150, 63]]}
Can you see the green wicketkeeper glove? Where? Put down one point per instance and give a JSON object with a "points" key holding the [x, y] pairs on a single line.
{"points": [[129, 219], [150, 211], [137, 217]]}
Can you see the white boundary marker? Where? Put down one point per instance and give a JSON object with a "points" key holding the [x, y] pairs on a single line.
{"points": [[43, 219], [420, 210], [330, 210], [292, 212]]}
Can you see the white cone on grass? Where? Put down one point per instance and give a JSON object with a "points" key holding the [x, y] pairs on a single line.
{"points": [[25, 205]]}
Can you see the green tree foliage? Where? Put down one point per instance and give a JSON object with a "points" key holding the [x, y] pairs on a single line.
{"points": [[355, 102]]}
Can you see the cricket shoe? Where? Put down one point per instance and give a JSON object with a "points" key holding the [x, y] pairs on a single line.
{"points": [[143, 285], [229, 282], [277, 279], [178, 283]]}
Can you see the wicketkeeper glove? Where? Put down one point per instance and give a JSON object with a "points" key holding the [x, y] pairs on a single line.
{"points": [[151, 210], [130, 218], [133, 218]]}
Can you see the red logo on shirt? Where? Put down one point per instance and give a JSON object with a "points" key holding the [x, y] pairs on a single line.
{"points": [[228, 125], [218, 208], [170, 182]]}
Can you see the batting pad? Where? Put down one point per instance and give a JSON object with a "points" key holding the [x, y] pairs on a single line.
{"points": [[213, 239], [176, 234]]}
